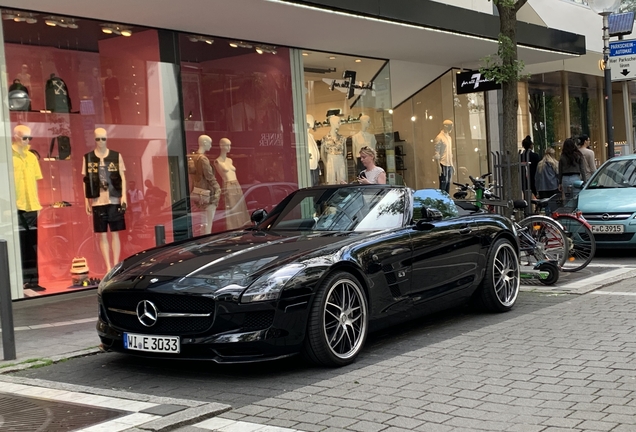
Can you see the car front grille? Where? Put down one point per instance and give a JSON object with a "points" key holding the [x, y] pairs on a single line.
{"points": [[165, 326], [120, 308], [607, 217], [625, 237]]}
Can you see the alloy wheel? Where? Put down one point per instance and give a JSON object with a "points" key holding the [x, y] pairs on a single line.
{"points": [[505, 275], [345, 318]]}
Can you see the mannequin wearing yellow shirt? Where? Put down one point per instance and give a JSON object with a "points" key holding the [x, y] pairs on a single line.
{"points": [[26, 171], [104, 176]]}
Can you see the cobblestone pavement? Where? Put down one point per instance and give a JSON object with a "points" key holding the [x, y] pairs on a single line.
{"points": [[556, 362]]}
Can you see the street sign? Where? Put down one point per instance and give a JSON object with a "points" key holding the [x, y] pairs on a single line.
{"points": [[623, 60]]}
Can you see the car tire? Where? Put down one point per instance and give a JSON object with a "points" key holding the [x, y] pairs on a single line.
{"points": [[338, 321], [499, 289]]}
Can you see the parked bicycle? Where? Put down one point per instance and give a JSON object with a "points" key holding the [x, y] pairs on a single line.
{"points": [[581, 242], [542, 241]]}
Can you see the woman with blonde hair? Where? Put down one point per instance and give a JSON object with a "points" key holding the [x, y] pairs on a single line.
{"points": [[372, 174], [547, 176]]}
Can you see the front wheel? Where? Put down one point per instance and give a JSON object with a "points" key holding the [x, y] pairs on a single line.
{"points": [[542, 239], [581, 243], [499, 289], [338, 321]]}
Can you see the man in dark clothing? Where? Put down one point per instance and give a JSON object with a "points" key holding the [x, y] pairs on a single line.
{"points": [[531, 158], [111, 91]]}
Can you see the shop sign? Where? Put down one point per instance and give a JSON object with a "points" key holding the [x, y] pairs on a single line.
{"points": [[349, 84], [271, 140], [474, 82]]}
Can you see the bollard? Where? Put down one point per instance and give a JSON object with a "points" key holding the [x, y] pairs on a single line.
{"points": [[6, 307], [160, 235]]}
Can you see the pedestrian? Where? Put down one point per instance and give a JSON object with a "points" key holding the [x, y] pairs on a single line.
{"points": [[547, 177], [530, 157], [588, 155], [135, 201], [571, 169]]}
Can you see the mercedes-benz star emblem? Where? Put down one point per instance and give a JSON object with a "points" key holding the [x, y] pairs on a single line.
{"points": [[147, 313]]}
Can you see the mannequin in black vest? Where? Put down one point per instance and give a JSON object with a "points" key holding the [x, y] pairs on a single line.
{"points": [[104, 177]]}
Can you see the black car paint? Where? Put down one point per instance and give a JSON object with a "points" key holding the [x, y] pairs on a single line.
{"points": [[394, 277]]}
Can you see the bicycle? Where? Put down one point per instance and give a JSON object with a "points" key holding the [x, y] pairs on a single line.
{"points": [[542, 241], [581, 241]]}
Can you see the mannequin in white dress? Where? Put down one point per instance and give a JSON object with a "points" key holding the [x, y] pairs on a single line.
{"points": [[235, 208], [202, 175], [314, 153], [333, 149], [363, 139]]}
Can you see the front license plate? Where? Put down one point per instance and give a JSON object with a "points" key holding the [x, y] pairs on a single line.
{"points": [[608, 229], [160, 344]]}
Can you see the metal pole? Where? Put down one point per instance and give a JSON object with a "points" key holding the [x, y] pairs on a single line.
{"points": [[629, 127], [608, 88], [160, 235], [6, 308]]}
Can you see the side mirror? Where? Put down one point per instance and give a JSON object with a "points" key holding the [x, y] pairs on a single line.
{"points": [[578, 184], [258, 216]]}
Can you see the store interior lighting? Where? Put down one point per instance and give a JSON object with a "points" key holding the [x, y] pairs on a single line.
{"points": [[269, 49], [26, 17], [195, 38], [117, 29], [55, 21], [240, 44]]}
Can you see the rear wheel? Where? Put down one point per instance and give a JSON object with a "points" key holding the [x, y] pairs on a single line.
{"points": [[338, 321], [542, 239], [500, 287], [553, 273], [581, 243]]}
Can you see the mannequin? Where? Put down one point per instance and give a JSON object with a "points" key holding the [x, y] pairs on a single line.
{"points": [[314, 153], [333, 149], [235, 209], [362, 139], [202, 176], [104, 176], [26, 171], [444, 155]]}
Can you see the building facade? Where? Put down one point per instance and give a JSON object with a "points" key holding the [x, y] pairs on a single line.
{"points": [[117, 115]]}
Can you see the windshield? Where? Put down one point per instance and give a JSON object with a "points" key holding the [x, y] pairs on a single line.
{"points": [[351, 208], [616, 174]]}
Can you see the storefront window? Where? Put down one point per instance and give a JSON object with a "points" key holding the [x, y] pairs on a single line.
{"points": [[445, 135], [239, 118], [585, 113], [546, 110], [347, 104], [91, 168]]}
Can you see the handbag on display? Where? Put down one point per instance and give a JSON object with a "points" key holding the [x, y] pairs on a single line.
{"points": [[200, 196], [19, 99], [63, 147], [57, 97]]}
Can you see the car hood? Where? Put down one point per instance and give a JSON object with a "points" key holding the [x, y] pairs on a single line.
{"points": [[607, 200], [232, 255]]}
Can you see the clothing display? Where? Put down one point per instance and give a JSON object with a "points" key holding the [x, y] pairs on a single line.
{"points": [[333, 150], [108, 216], [63, 147], [444, 155], [26, 171], [236, 214], [57, 97], [101, 177], [203, 177], [111, 91], [314, 159]]}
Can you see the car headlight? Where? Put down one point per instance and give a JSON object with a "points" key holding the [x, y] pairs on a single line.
{"points": [[111, 274], [270, 285]]}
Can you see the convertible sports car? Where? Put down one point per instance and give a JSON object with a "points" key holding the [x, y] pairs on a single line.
{"points": [[325, 267]]}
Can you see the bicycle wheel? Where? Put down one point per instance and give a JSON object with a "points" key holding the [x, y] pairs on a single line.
{"points": [[542, 239], [582, 245]]}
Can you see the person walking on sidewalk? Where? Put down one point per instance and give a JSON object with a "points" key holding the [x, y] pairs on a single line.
{"points": [[571, 169], [547, 177], [588, 155]]}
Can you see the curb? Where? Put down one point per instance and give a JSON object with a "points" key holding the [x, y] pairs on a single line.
{"points": [[195, 412], [26, 364], [585, 285]]}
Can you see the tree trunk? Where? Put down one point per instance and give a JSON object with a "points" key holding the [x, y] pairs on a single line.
{"points": [[510, 100]]}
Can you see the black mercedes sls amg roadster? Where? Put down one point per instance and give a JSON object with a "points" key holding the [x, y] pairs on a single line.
{"points": [[328, 265]]}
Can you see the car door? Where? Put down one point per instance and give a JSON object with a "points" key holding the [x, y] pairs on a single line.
{"points": [[445, 251]]}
